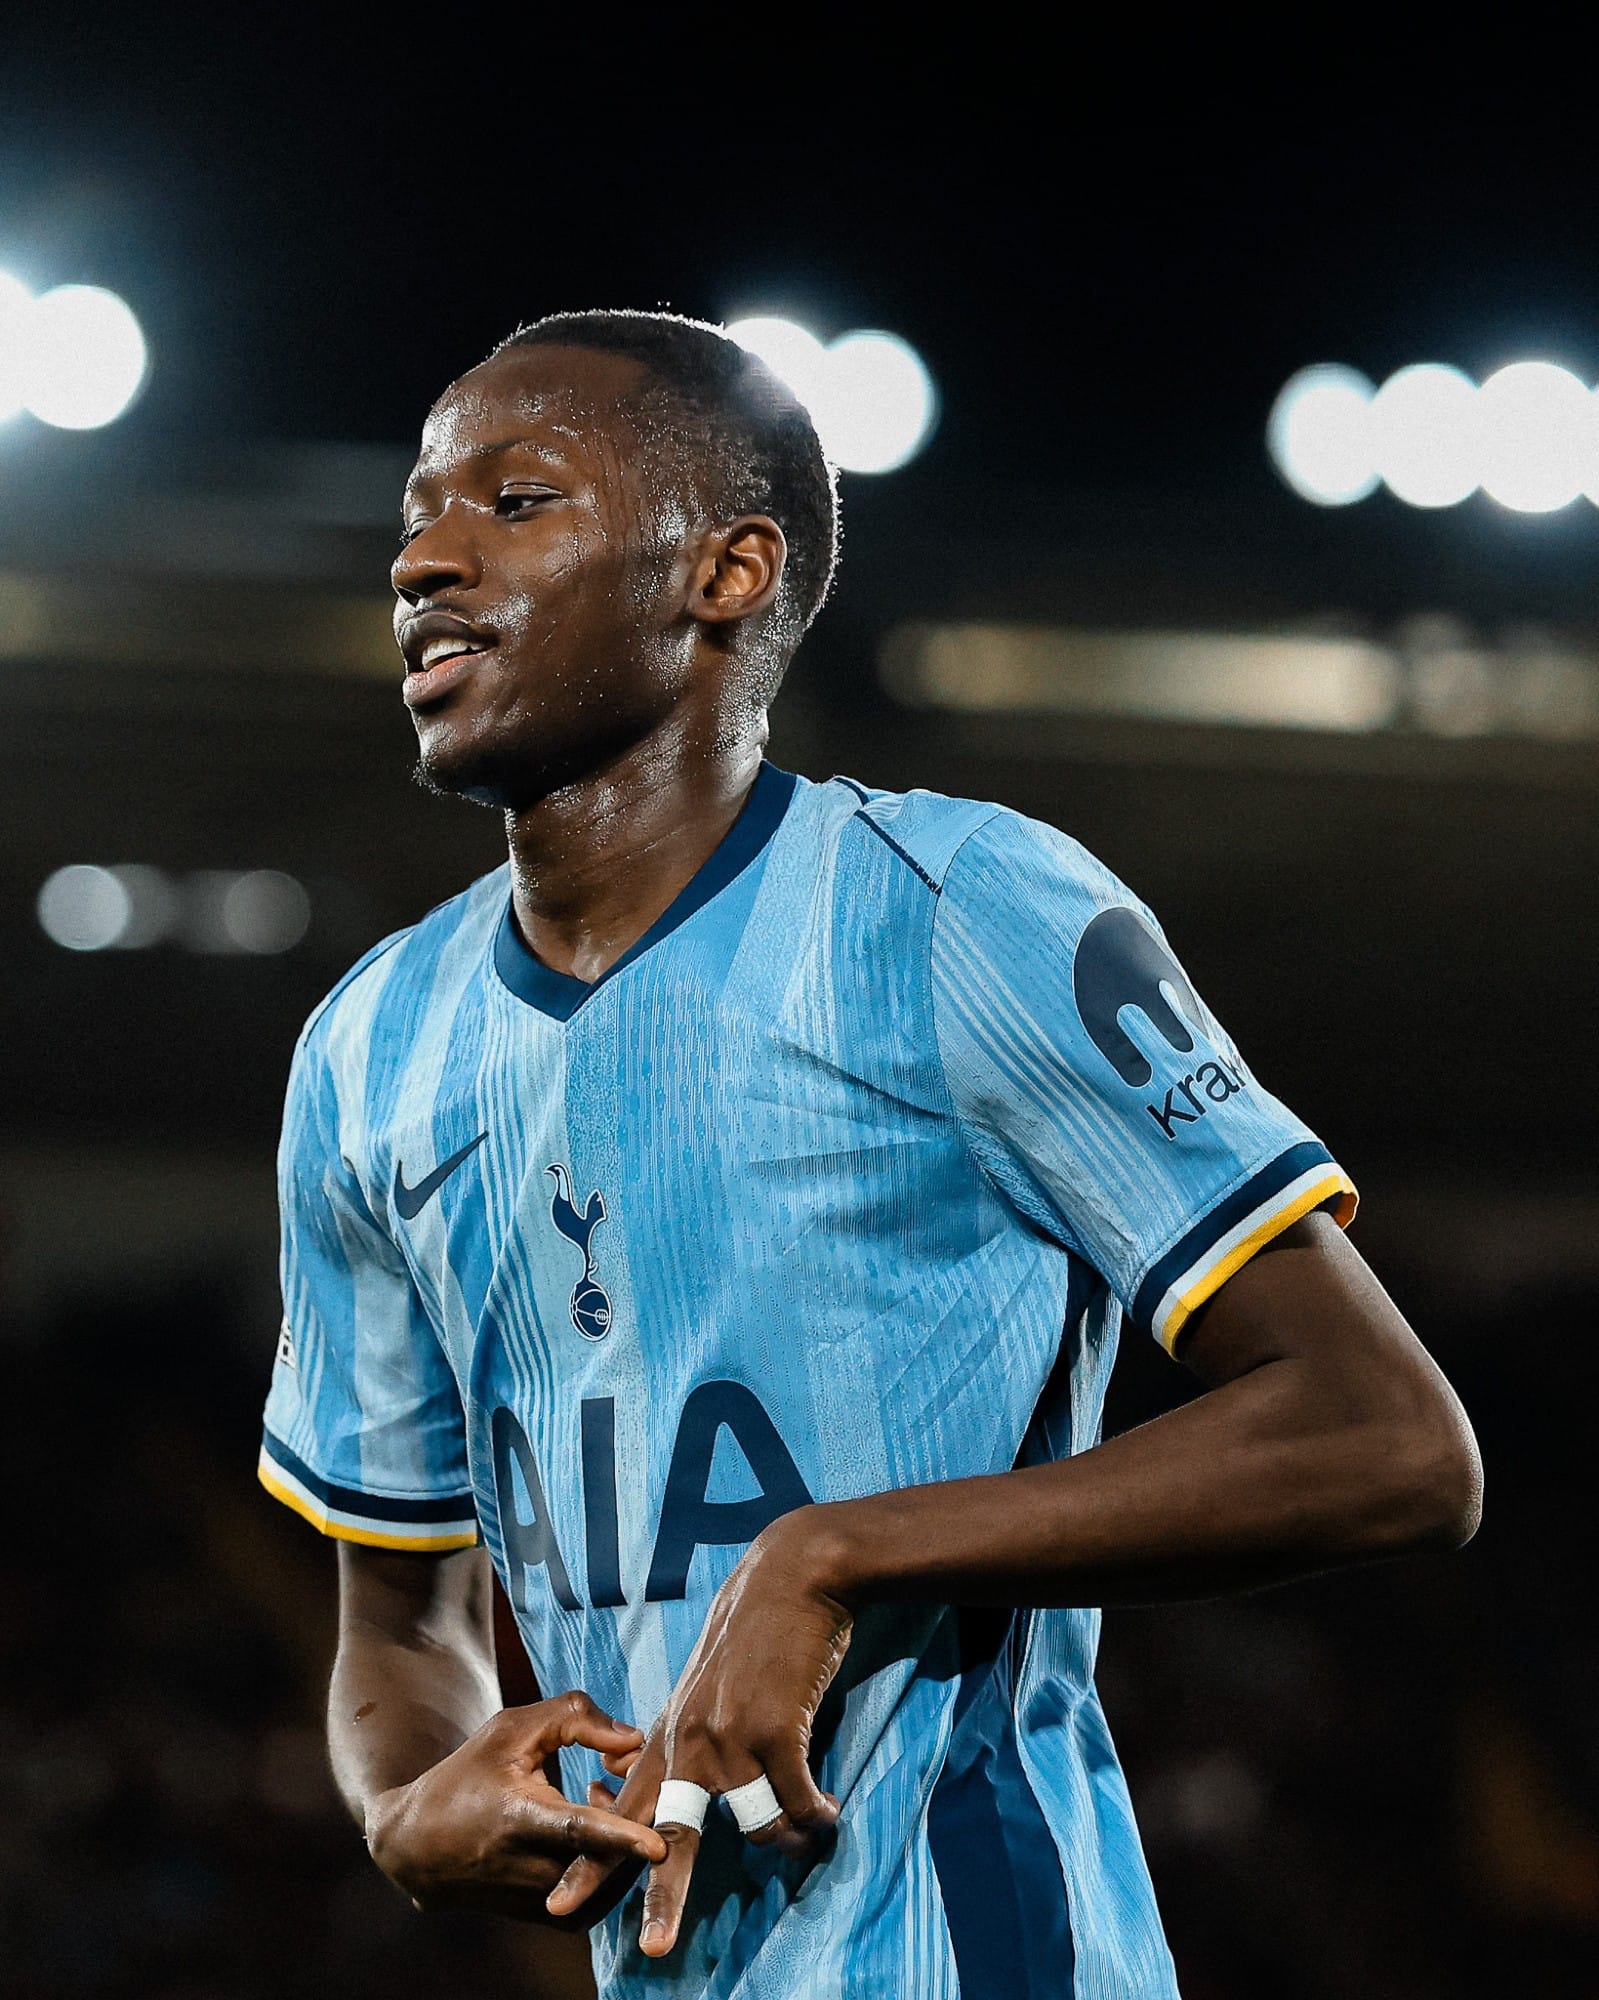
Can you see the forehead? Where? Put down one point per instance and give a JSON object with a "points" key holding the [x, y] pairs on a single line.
{"points": [[572, 403]]}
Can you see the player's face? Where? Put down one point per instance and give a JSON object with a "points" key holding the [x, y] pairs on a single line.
{"points": [[540, 605]]}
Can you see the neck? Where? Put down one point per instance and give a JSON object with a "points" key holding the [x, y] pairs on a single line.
{"points": [[594, 865]]}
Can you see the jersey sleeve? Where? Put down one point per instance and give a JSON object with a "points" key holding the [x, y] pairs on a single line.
{"points": [[364, 1433], [1098, 1092]]}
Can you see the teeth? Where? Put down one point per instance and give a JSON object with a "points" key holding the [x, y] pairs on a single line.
{"points": [[445, 649]]}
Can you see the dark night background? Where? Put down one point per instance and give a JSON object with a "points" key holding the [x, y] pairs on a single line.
{"points": [[1111, 257]]}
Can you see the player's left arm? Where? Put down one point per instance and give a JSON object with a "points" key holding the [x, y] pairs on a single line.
{"points": [[1103, 1100], [1327, 1436]]}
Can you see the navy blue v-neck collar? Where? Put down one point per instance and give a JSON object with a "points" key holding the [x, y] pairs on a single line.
{"points": [[559, 994]]}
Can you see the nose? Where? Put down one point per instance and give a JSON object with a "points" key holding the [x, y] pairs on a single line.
{"points": [[441, 557]]}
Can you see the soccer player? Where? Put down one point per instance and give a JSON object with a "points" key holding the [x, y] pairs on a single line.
{"points": [[720, 1220]]}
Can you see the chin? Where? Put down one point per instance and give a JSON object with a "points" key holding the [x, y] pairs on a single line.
{"points": [[503, 769], [507, 776], [447, 781], [453, 769]]}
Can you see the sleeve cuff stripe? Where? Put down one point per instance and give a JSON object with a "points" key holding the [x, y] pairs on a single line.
{"points": [[1234, 1210], [349, 1528], [1232, 1251], [421, 1514]]}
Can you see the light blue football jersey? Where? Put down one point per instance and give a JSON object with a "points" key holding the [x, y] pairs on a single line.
{"points": [[841, 1180]]}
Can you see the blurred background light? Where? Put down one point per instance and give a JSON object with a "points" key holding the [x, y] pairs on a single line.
{"points": [[869, 393], [258, 910], [84, 908], [1529, 436], [154, 904], [16, 302], [1432, 675], [1537, 437], [879, 402], [1423, 427], [85, 357], [791, 351], [1236, 679], [1319, 435], [265, 910]]}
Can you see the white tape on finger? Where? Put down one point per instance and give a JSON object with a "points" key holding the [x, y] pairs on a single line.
{"points": [[682, 1803], [754, 1805]]}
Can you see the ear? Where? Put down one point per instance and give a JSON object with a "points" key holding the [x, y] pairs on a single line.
{"points": [[737, 571]]}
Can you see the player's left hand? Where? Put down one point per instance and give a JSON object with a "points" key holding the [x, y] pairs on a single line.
{"points": [[744, 1705]]}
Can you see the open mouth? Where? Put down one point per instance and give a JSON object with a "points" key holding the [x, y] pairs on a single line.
{"points": [[439, 648], [440, 665], [435, 639], [443, 652]]}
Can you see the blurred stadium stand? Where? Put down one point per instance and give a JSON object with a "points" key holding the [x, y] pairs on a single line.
{"points": [[1385, 1784]]}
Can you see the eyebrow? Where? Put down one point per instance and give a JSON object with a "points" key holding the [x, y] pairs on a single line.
{"points": [[503, 445], [497, 448]]}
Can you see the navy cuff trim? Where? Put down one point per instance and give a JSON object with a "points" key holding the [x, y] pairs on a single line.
{"points": [[1226, 1215], [370, 1506]]}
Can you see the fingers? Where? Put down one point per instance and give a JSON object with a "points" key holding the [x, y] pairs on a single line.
{"points": [[583, 1879], [809, 1814], [634, 1806], [592, 1830], [798, 1842], [803, 1827], [589, 1873], [583, 1721], [758, 1813], [668, 1891]]}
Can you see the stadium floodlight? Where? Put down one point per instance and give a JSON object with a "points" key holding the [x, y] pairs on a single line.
{"points": [[1319, 435], [84, 908], [1591, 484], [258, 910], [880, 402], [84, 357], [791, 351], [869, 393], [1536, 437], [1424, 435], [16, 304], [265, 910], [153, 905]]}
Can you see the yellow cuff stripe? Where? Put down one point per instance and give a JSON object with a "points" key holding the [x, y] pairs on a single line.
{"points": [[1333, 1183], [341, 1531]]}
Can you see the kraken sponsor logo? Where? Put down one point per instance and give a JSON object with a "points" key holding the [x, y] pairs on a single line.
{"points": [[1121, 964], [1192, 1096]]}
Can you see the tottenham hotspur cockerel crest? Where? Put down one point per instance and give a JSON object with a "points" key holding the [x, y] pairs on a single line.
{"points": [[591, 1303]]}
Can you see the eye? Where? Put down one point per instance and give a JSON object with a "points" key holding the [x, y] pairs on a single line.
{"points": [[515, 503], [409, 532]]}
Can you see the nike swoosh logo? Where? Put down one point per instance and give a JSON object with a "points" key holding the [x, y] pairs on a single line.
{"points": [[411, 1201]]}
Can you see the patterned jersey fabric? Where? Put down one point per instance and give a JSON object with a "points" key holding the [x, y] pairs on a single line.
{"points": [[842, 1179]]}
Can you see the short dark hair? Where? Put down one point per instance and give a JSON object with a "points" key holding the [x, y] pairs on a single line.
{"points": [[750, 446]]}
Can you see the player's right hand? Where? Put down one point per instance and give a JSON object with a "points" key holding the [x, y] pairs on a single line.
{"points": [[488, 1828]]}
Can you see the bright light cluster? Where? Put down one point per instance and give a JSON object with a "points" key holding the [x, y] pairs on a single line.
{"points": [[85, 907], [74, 357], [869, 394], [1528, 436]]}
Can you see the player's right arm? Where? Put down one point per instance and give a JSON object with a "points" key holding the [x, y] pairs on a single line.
{"points": [[365, 1437], [460, 1799]]}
